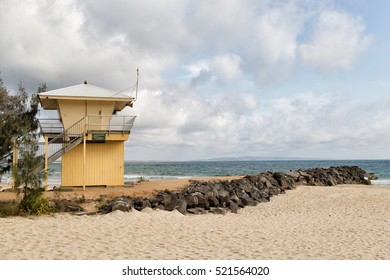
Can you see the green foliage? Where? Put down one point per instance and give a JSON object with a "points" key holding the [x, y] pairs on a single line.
{"points": [[9, 208], [17, 114], [18, 123], [24, 173], [33, 202]]}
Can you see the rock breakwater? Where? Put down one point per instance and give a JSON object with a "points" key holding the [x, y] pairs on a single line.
{"points": [[220, 197]]}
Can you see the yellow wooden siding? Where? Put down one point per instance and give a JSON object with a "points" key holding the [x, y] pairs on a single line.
{"points": [[74, 110], [107, 108], [104, 165], [95, 110], [71, 111]]}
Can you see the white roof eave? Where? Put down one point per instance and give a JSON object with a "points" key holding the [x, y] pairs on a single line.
{"points": [[84, 92]]}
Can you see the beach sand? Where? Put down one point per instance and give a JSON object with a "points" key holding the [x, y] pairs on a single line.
{"points": [[341, 222]]}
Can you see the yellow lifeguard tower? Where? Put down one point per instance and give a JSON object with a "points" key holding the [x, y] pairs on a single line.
{"points": [[88, 134]]}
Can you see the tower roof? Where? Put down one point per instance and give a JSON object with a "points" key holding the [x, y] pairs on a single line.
{"points": [[83, 92]]}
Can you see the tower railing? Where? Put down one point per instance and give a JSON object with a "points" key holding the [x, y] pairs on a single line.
{"points": [[51, 126], [62, 141], [110, 123]]}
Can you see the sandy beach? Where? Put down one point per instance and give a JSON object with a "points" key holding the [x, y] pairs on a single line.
{"points": [[342, 222]]}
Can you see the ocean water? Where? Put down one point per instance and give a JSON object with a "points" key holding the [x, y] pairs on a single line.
{"points": [[188, 169]]}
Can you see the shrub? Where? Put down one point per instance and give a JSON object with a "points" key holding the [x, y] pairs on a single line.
{"points": [[9, 208], [33, 202]]}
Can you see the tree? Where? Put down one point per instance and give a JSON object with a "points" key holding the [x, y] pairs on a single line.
{"points": [[25, 175], [17, 115], [24, 172], [18, 125]]}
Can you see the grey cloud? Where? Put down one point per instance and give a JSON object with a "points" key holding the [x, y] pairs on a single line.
{"points": [[107, 40], [148, 27], [255, 43], [204, 76]]}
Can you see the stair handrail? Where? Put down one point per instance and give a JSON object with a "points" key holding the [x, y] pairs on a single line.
{"points": [[65, 134], [68, 136]]}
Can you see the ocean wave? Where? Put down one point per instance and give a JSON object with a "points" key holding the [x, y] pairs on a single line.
{"points": [[136, 177], [381, 182]]}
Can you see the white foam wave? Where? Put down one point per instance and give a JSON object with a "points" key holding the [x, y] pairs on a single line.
{"points": [[135, 177], [381, 182]]}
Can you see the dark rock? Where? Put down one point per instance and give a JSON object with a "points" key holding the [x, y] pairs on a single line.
{"points": [[177, 204], [331, 182], [242, 194], [164, 198], [160, 207], [192, 201], [141, 203], [182, 206], [202, 188], [264, 199], [266, 182], [217, 210], [255, 194], [217, 196], [196, 211], [214, 190], [202, 202], [371, 176], [208, 194], [233, 206], [234, 197], [120, 205], [247, 201], [223, 196], [294, 175], [264, 194], [305, 178], [213, 201], [71, 208], [253, 179], [240, 184], [284, 181]]}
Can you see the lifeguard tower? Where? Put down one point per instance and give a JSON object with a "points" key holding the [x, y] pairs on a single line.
{"points": [[88, 134]]}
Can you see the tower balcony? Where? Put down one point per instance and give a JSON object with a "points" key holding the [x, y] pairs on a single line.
{"points": [[104, 124], [109, 124]]}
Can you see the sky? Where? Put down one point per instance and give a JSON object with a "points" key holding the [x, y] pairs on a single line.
{"points": [[223, 78]]}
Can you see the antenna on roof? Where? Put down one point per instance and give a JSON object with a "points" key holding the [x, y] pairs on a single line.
{"points": [[131, 88], [136, 85]]}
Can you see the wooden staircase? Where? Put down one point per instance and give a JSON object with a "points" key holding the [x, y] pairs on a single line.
{"points": [[62, 143]]}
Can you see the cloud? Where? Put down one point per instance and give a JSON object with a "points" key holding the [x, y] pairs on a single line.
{"points": [[337, 41], [227, 68], [327, 125], [38, 43], [223, 69], [106, 41], [271, 48], [210, 70]]}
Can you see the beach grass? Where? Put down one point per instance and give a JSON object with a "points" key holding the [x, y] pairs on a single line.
{"points": [[9, 208]]}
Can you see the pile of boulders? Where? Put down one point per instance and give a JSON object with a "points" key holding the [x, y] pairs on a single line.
{"points": [[219, 197]]}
